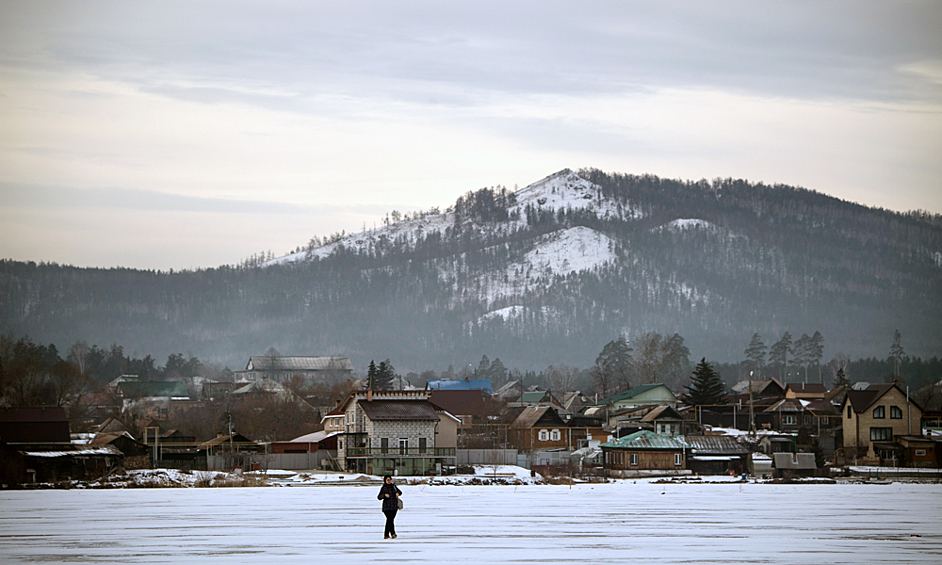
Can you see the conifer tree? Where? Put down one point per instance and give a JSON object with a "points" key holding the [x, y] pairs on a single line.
{"points": [[778, 354], [897, 353], [371, 375], [706, 387], [755, 354], [385, 375]]}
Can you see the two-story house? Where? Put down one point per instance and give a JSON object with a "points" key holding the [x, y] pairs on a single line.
{"points": [[873, 417], [392, 432]]}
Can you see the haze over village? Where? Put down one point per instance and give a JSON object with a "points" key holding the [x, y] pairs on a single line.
{"points": [[649, 282]]}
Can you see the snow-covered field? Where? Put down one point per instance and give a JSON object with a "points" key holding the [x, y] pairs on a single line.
{"points": [[642, 522]]}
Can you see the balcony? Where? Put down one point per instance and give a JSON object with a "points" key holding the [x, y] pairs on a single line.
{"points": [[412, 452]]}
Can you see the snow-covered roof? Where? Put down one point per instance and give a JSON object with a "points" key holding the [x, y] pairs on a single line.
{"points": [[314, 437], [102, 450]]}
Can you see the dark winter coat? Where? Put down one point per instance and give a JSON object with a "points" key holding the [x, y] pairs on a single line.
{"points": [[393, 492]]}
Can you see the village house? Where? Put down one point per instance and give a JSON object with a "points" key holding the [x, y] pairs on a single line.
{"points": [[539, 428], [316, 450], [394, 432], [664, 420], [535, 398], [873, 418], [764, 392], [644, 453], [478, 416], [152, 400], [543, 428], [644, 395], [791, 414], [333, 420], [283, 369], [37, 447]]}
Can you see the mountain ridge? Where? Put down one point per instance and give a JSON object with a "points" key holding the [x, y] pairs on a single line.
{"points": [[546, 274]]}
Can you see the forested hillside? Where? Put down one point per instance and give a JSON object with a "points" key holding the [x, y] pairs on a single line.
{"points": [[548, 274]]}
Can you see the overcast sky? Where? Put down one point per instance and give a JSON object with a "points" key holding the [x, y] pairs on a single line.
{"points": [[180, 135]]}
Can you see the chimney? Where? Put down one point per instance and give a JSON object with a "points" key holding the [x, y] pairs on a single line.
{"points": [[369, 395]]}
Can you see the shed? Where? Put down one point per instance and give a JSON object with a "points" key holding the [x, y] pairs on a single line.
{"points": [[716, 455]]}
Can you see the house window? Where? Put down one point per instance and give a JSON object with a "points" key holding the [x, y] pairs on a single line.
{"points": [[920, 453], [881, 434], [850, 413], [678, 459], [634, 458], [554, 435], [544, 435], [789, 420], [896, 413], [384, 445], [879, 412], [423, 444], [403, 446]]}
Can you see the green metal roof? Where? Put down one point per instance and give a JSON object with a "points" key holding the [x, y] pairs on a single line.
{"points": [[645, 439], [631, 393], [533, 396]]}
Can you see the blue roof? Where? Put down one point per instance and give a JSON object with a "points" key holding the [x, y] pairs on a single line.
{"points": [[461, 384]]}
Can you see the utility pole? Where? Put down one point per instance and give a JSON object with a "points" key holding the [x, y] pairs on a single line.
{"points": [[752, 416]]}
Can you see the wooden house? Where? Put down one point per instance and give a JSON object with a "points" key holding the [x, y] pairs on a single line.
{"points": [[644, 453], [539, 428]]}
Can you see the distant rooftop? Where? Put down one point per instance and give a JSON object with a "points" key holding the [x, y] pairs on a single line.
{"points": [[461, 384], [279, 363]]}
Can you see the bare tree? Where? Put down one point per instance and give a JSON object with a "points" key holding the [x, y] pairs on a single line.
{"points": [[78, 356], [837, 366], [659, 357], [560, 378]]}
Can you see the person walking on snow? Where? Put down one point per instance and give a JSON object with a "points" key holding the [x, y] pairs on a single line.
{"points": [[389, 494]]}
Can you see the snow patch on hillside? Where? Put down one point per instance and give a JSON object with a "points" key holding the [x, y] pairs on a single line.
{"points": [[559, 253], [513, 313], [684, 224], [506, 314], [570, 250]]}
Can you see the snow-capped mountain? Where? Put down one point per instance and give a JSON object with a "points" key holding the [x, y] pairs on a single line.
{"points": [[564, 190], [562, 252], [546, 274]]}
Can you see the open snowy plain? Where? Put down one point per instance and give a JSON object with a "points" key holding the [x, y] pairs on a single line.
{"points": [[642, 522]]}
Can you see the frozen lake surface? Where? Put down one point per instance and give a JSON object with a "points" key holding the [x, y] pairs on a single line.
{"points": [[641, 522]]}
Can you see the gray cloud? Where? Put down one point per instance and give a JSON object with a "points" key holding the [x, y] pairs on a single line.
{"points": [[409, 50], [15, 195]]}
